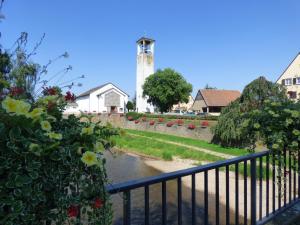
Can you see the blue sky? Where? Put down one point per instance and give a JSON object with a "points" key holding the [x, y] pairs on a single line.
{"points": [[225, 43]]}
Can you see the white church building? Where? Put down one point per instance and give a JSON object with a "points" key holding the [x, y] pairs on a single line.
{"points": [[106, 98]]}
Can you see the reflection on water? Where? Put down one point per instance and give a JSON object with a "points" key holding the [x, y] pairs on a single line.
{"points": [[124, 167]]}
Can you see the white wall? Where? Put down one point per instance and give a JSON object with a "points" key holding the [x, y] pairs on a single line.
{"points": [[94, 103], [145, 67], [293, 71]]}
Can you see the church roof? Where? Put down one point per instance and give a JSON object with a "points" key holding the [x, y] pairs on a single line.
{"points": [[214, 97], [96, 88], [146, 39]]}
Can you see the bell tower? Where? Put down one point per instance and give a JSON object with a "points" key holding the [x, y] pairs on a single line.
{"points": [[144, 68]]}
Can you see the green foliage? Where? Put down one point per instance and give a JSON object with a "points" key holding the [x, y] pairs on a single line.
{"points": [[166, 88], [129, 105], [136, 115], [52, 168], [230, 128]]}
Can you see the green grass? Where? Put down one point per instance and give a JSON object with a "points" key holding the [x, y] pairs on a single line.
{"points": [[161, 150], [191, 142]]}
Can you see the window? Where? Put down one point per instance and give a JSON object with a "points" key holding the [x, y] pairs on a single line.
{"points": [[297, 80], [292, 94], [288, 81]]}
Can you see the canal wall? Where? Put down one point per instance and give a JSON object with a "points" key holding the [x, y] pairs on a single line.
{"points": [[202, 133]]}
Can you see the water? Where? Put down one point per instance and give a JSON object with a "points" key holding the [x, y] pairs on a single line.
{"points": [[124, 167]]}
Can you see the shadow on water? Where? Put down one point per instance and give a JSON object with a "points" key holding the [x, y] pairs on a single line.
{"points": [[124, 167]]}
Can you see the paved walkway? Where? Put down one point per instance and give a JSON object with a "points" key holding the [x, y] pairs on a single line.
{"points": [[222, 155]]}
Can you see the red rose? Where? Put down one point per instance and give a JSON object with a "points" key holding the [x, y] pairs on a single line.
{"points": [[160, 120], [180, 122], [16, 91], [204, 124], [130, 118], [152, 122], [191, 126], [98, 203], [69, 96], [170, 123], [136, 121], [73, 211], [50, 91]]}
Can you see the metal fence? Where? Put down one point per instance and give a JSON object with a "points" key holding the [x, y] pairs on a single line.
{"points": [[264, 194]]}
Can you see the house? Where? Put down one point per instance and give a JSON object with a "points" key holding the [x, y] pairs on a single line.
{"points": [[106, 98], [212, 100], [290, 78], [184, 106]]}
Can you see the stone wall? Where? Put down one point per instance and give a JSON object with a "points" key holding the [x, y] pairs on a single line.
{"points": [[120, 121]]}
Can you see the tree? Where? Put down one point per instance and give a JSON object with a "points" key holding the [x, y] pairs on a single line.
{"points": [[207, 86], [166, 88], [129, 106], [230, 128]]}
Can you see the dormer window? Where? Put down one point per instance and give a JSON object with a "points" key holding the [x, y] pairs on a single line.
{"points": [[288, 81]]}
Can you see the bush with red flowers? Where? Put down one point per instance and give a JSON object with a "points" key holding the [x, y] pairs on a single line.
{"points": [[179, 122], [204, 124], [136, 121], [52, 168], [161, 120], [152, 122], [191, 126], [130, 118], [170, 124]]}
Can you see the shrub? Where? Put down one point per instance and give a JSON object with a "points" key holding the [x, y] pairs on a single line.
{"points": [[204, 123], [179, 122], [152, 122], [191, 126], [170, 124], [130, 118], [52, 166], [136, 121], [144, 118]]}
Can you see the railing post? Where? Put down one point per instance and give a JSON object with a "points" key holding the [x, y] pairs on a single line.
{"points": [[253, 190]]}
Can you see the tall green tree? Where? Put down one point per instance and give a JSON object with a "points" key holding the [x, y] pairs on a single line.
{"points": [[166, 88], [129, 105], [230, 130]]}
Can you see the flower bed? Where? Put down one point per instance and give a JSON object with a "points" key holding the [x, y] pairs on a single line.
{"points": [[204, 124], [170, 124], [179, 122], [152, 122], [191, 126]]}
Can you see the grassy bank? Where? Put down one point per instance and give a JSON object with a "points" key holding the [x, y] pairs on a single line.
{"points": [[191, 142], [161, 150]]}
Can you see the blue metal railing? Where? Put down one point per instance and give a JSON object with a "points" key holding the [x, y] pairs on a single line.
{"points": [[259, 169]]}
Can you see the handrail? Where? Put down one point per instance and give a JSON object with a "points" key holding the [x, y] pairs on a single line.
{"points": [[141, 182]]}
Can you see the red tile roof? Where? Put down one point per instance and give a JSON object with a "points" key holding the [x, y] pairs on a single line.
{"points": [[214, 97]]}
